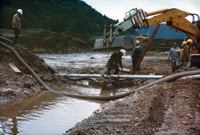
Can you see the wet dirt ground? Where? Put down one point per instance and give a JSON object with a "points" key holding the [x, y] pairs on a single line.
{"points": [[164, 109], [169, 108], [94, 62]]}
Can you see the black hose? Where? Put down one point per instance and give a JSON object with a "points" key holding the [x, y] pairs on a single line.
{"points": [[168, 78]]}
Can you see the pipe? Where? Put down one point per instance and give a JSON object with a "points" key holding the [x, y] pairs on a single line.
{"points": [[167, 78], [157, 12], [191, 77], [6, 39], [115, 76]]}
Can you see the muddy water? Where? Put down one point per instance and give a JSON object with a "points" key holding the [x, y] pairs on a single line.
{"points": [[65, 62], [45, 113]]}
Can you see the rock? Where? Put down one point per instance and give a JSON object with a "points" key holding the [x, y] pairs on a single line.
{"points": [[92, 57], [28, 83], [189, 115], [184, 122]]}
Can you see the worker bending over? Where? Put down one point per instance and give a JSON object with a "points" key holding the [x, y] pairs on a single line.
{"points": [[113, 64], [136, 53]]}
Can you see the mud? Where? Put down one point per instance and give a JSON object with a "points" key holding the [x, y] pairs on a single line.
{"points": [[170, 108], [52, 42], [165, 109], [14, 85]]}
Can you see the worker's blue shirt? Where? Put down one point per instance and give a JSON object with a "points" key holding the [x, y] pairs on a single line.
{"points": [[172, 54]]}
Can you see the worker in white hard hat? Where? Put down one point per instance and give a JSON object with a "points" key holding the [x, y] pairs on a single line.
{"points": [[185, 55], [174, 56], [113, 64], [136, 53], [16, 25]]}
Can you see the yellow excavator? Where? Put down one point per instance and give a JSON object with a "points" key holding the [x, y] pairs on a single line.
{"points": [[138, 18]]}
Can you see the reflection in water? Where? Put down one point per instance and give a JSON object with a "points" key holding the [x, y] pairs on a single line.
{"points": [[72, 61], [44, 113], [108, 92], [49, 114], [14, 127]]}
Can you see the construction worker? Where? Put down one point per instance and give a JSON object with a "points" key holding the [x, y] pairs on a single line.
{"points": [[185, 55], [174, 56], [16, 25], [115, 62], [136, 53], [112, 67], [181, 50]]}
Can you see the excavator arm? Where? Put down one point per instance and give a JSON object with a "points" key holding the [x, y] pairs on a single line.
{"points": [[176, 19], [138, 18]]}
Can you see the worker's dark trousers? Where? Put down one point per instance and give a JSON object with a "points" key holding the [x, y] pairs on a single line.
{"points": [[134, 62], [17, 32]]}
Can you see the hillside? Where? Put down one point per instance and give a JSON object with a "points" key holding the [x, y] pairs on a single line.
{"points": [[69, 15], [55, 15]]}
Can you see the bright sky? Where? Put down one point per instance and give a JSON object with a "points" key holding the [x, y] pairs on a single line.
{"points": [[116, 9]]}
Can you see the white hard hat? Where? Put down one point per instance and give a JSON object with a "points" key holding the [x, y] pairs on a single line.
{"points": [[20, 11], [123, 51]]}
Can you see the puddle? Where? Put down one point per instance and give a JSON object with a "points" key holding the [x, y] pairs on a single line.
{"points": [[44, 113], [49, 114]]}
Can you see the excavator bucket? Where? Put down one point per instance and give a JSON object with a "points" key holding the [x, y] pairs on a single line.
{"points": [[119, 42], [126, 42]]}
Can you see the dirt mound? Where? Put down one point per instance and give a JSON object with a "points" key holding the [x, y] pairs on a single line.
{"points": [[14, 85], [164, 109], [52, 42]]}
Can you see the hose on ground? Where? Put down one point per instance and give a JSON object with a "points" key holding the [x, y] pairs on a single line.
{"points": [[167, 78]]}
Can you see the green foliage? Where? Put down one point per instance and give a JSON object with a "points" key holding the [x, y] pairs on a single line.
{"points": [[55, 15]]}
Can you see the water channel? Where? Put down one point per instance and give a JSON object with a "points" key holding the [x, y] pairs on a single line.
{"points": [[48, 114]]}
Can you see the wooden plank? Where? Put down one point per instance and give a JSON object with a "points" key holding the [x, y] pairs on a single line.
{"points": [[14, 68]]}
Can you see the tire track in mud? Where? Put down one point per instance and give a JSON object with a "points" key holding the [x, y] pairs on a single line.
{"points": [[133, 115], [164, 109]]}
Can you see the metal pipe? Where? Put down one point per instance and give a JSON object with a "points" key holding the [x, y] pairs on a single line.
{"points": [[157, 12], [191, 77], [115, 76]]}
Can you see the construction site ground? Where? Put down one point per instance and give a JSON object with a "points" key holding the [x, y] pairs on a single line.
{"points": [[169, 108]]}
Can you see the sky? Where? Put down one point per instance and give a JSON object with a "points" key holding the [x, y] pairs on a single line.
{"points": [[116, 9]]}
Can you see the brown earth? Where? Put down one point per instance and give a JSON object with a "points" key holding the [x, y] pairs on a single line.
{"points": [[170, 108], [14, 85], [52, 42]]}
